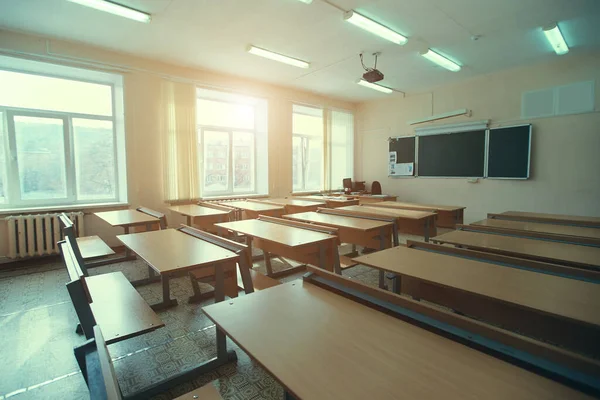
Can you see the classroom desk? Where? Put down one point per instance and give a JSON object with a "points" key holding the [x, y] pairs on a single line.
{"points": [[321, 345], [559, 233], [203, 218], [448, 216], [169, 252], [575, 220], [330, 201], [563, 271], [293, 205], [354, 230], [560, 310], [409, 221], [127, 219], [273, 236], [557, 253], [251, 209]]}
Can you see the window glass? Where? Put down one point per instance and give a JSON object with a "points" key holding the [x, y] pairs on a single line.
{"points": [[94, 159], [3, 161], [216, 161], [307, 142], [243, 162], [41, 157], [54, 94]]}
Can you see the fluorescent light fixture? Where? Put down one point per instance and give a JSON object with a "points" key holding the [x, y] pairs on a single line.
{"points": [[114, 8], [374, 27], [306, 1], [441, 60], [370, 85], [277, 57], [556, 39]]}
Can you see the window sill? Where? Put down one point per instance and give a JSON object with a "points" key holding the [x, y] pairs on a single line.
{"points": [[241, 196], [70, 207], [306, 193]]}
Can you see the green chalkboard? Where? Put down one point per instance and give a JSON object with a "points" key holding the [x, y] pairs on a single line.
{"points": [[459, 154], [509, 151]]}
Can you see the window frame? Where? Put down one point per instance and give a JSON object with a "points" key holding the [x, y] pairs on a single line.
{"points": [[230, 161], [13, 196]]}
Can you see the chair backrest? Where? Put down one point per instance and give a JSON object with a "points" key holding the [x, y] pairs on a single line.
{"points": [[69, 234], [230, 245], [97, 368], [78, 289], [161, 217], [376, 188], [347, 183], [220, 207]]}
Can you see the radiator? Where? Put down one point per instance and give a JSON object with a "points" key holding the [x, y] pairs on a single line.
{"points": [[37, 234]]}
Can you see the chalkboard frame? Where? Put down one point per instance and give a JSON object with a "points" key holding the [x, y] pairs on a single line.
{"points": [[489, 133]]}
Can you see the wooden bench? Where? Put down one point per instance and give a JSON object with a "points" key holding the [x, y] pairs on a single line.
{"points": [[100, 376], [86, 247], [259, 281], [107, 299], [207, 275]]}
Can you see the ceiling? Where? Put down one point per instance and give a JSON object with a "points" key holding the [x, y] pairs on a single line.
{"points": [[214, 35]]}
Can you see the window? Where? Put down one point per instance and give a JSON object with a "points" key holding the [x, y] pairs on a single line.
{"points": [[58, 136], [307, 149], [341, 159], [232, 139]]}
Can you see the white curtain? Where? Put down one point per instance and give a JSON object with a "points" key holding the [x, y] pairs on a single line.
{"points": [[177, 125], [339, 156]]}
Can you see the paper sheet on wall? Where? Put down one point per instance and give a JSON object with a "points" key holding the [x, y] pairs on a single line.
{"points": [[401, 169]]}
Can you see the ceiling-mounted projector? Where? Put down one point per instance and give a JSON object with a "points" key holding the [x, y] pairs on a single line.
{"points": [[373, 76]]}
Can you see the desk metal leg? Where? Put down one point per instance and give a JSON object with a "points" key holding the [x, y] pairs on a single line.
{"points": [[268, 265], [189, 220], [153, 277], [427, 229], [223, 357], [167, 300]]}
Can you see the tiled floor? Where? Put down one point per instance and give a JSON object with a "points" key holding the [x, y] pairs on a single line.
{"points": [[37, 336]]}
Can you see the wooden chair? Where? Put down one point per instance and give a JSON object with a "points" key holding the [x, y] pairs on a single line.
{"points": [[376, 187], [347, 184], [93, 246], [207, 275], [127, 315], [101, 379]]}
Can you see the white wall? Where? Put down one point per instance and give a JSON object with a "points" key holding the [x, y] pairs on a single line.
{"points": [[565, 150]]}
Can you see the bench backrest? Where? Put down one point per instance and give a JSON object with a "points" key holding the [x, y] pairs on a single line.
{"points": [[77, 288], [161, 217], [98, 369], [68, 229], [230, 245]]}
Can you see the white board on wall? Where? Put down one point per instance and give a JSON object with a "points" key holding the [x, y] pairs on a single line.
{"points": [[575, 98]]}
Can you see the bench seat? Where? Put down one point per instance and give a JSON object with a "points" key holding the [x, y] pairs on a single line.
{"points": [[206, 392], [260, 281], [93, 247], [119, 309]]}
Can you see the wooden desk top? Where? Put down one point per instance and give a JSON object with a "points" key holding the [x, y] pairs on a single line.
{"points": [[390, 212], [561, 218], [109, 293], [170, 250], [550, 251], [194, 210], [338, 221], [568, 298], [565, 230], [294, 202], [418, 206], [287, 235], [126, 217], [252, 205], [344, 350]]}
